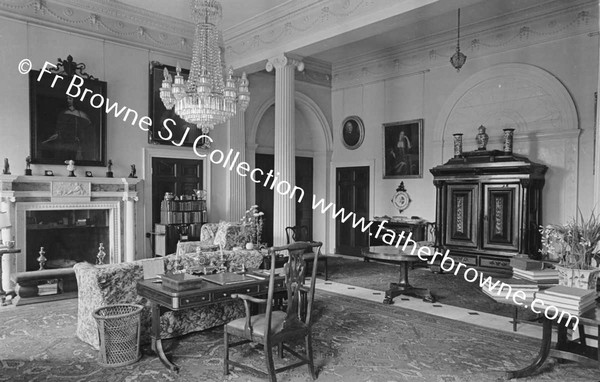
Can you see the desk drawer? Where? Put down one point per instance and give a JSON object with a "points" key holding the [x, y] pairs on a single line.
{"points": [[251, 289], [194, 300], [279, 284]]}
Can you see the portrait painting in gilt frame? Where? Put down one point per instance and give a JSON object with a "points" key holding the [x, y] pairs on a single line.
{"points": [[353, 132], [178, 131], [63, 127], [403, 149]]}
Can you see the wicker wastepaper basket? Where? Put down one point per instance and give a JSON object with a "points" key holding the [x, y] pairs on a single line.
{"points": [[119, 333]]}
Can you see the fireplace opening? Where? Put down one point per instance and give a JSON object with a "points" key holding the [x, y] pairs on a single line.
{"points": [[68, 236]]}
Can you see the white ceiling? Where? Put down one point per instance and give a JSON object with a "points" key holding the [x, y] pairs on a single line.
{"points": [[436, 19]]}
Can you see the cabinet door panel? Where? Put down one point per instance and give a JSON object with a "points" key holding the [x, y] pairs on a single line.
{"points": [[462, 222], [501, 217]]}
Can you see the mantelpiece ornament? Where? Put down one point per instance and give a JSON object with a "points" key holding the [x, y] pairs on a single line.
{"points": [[71, 189]]}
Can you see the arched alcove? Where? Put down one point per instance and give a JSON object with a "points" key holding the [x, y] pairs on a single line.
{"points": [[540, 109], [313, 139]]}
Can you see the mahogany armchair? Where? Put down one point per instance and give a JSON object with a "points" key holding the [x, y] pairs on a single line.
{"points": [[275, 327], [300, 233]]}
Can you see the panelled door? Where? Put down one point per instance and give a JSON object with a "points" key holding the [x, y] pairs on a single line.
{"points": [[352, 194], [501, 218], [462, 221], [264, 195], [179, 176]]}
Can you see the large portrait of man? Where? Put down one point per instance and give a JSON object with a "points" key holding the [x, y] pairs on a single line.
{"points": [[63, 127]]}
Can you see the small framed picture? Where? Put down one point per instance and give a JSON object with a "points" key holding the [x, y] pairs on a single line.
{"points": [[48, 173], [88, 174], [353, 132]]}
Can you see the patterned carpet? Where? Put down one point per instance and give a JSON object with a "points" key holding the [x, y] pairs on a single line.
{"points": [[354, 340]]}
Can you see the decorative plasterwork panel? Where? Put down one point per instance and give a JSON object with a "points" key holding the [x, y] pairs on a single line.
{"points": [[306, 22], [518, 96], [107, 19], [543, 114], [479, 40]]}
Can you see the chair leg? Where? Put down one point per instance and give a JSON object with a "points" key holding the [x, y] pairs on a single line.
{"points": [[270, 365], [325, 259], [280, 350], [309, 355], [226, 353]]}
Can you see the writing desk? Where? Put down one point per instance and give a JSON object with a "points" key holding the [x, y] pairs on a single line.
{"points": [[205, 294]]}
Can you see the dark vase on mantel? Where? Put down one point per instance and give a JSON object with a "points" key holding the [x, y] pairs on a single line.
{"points": [[482, 138]]}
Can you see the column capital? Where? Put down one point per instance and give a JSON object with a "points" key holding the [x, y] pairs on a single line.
{"points": [[283, 60]]}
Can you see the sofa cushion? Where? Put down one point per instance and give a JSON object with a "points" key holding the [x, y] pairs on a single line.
{"points": [[221, 234], [189, 247]]}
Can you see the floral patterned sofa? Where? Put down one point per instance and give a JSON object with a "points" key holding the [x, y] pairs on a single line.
{"points": [[101, 285]]}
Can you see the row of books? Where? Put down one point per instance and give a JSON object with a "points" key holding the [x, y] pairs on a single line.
{"points": [[542, 276], [571, 300], [184, 217], [183, 205], [507, 288]]}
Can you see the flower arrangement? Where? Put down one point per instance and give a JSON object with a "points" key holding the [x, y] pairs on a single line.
{"points": [[252, 221], [575, 245]]}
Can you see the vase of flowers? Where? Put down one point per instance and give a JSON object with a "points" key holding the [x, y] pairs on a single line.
{"points": [[252, 221], [576, 247]]}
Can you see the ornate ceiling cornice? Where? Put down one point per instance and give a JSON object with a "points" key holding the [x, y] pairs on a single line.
{"points": [[108, 20], [484, 38]]}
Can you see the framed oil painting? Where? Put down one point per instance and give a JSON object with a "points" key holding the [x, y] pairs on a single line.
{"points": [[403, 149], [181, 133], [63, 127], [353, 132]]}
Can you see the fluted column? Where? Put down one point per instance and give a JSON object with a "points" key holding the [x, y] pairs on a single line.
{"points": [[284, 208], [236, 184]]}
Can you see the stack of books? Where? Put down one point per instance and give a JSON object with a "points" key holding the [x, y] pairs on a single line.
{"points": [[540, 276], [571, 300], [525, 263], [508, 287]]}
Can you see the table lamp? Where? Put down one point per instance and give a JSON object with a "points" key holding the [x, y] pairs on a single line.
{"points": [[5, 226]]}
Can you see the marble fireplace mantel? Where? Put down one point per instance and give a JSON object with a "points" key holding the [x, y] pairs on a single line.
{"points": [[19, 194]]}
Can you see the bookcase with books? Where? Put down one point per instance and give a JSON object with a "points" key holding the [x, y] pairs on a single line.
{"points": [[180, 219]]}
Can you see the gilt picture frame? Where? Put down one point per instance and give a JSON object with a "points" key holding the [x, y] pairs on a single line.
{"points": [[352, 132], [177, 131], [403, 149], [63, 127]]}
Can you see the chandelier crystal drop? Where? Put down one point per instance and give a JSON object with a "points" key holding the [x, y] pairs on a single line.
{"points": [[458, 59], [208, 97]]}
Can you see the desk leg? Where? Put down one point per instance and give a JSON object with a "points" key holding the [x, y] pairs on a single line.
{"points": [[541, 358], [157, 341], [403, 287]]}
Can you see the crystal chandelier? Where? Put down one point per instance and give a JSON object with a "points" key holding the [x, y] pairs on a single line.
{"points": [[458, 59], [205, 99]]}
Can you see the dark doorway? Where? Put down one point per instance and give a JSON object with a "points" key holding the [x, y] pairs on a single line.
{"points": [[179, 176], [264, 195], [352, 194]]}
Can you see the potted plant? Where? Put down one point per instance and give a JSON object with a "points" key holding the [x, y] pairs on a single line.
{"points": [[576, 247], [252, 221]]}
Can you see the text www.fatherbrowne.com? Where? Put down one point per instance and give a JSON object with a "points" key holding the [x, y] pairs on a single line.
{"points": [[447, 264], [284, 188]]}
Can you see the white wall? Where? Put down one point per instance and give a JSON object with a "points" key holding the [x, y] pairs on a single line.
{"points": [[573, 61]]}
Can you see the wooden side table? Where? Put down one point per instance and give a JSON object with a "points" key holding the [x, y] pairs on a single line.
{"points": [[4, 251]]}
